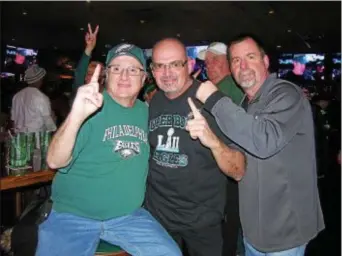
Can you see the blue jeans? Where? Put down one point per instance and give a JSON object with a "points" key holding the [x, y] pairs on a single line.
{"points": [[251, 251], [137, 233]]}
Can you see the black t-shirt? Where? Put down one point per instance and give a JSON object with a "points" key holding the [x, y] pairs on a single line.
{"points": [[185, 187]]}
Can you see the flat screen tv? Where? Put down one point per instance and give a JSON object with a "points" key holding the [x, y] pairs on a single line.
{"points": [[17, 60], [310, 66]]}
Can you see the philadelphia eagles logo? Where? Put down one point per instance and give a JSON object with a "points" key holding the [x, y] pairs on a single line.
{"points": [[124, 48], [126, 149]]}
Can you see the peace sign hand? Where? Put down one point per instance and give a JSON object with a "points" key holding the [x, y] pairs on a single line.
{"points": [[88, 98], [198, 128], [90, 39]]}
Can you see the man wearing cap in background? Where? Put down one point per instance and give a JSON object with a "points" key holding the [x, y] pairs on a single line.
{"points": [[31, 109], [101, 153], [215, 58]]}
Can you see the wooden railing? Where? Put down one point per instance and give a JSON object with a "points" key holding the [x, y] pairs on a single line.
{"points": [[28, 179]]}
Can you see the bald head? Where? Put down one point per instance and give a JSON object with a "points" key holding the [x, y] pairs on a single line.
{"points": [[169, 44], [171, 68]]}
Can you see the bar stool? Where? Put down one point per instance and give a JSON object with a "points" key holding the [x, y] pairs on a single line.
{"points": [[107, 249]]}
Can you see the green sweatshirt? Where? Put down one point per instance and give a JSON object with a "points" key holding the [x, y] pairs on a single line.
{"points": [[107, 175], [228, 86]]}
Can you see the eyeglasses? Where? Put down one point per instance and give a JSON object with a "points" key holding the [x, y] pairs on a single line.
{"points": [[131, 71], [175, 65]]}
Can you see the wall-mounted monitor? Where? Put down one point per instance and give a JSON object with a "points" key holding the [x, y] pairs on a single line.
{"points": [[17, 60], [310, 66]]}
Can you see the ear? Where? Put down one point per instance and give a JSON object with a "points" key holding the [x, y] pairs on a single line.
{"points": [[191, 64], [143, 78], [266, 61]]}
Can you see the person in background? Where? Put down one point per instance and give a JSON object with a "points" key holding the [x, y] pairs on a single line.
{"points": [[84, 69], [101, 153], [186, 188], [215, 59], [31, 109], [149, 90], [280, 209]]}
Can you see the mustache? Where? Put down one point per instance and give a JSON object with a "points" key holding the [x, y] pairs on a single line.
{"points": [[168, 77], [246, 73]]}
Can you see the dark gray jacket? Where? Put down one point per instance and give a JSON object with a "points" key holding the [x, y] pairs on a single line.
{"points": [[279, 201]]}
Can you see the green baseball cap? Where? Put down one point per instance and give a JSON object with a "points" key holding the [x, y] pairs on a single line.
{"points": [[126, 50]]}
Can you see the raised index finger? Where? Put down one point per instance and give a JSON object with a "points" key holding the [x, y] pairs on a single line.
{"points": [[96, 75], [194, 109]]}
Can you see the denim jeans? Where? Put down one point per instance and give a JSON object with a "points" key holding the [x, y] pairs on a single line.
{"points": [[137, 233], [251, 251]]}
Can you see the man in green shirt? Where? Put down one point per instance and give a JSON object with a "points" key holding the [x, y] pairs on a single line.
{"points": [[101, 153], [215, 58]]}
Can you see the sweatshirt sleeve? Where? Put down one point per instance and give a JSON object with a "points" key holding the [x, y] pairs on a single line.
{"points": [[266, 132], [81, 71]]}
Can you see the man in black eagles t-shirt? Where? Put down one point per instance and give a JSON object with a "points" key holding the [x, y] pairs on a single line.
{"points": [[186, 188]]}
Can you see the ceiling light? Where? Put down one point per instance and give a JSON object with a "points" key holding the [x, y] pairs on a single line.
{"points": [[122, 39], [271, 12], [13, 39], [178, 35], [81, 29], [278, 46], [24, 13], [289, 30], [142, 21]]}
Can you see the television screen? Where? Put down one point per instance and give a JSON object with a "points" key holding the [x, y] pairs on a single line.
{"points": [[283, 72], [192, 52], [336, 58], [336, 74], [285, 59], [307, 66], [148, 53], [17, 60], [336, 68]]}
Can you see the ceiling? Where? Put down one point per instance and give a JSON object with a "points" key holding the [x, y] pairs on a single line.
{"points": [[283, 26]]}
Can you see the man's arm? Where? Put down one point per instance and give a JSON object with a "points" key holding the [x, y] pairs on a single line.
{"points": [[82, 66], [87, 101], [46, 112], [60, 149], [263, 134], [231, 161], [81, 70]]}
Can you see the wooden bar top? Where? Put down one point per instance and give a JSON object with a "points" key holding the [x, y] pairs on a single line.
{"points": [[27, 179]]}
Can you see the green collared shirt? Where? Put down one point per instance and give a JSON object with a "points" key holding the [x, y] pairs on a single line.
{"points": [[228, 86]]}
